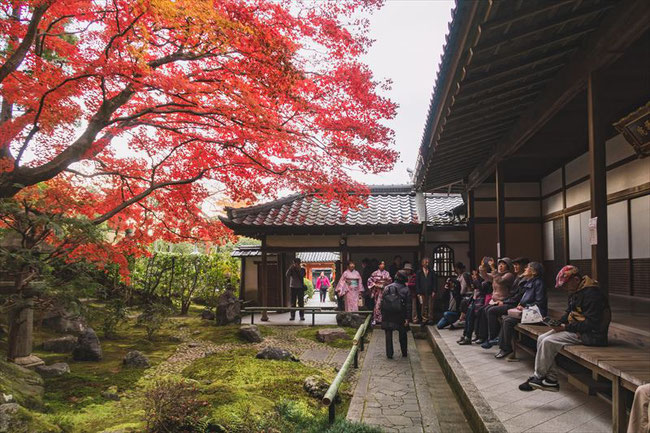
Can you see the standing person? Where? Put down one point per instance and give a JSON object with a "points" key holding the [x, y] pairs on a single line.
{"points": [[350, 287], [586, 321], [296, 275], [502, 280], [396, 311], [426, 285], [376, 283], [410, 283], [395, 266], [479, 298], [322, 285]]}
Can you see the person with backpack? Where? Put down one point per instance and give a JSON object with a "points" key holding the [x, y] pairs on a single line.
{"points": [[396, 312]]}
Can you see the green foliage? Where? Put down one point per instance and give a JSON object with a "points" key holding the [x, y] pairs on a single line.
{"points": [[116, 313], [170, 405], [25, 385], [153, 318], [310, 287]]}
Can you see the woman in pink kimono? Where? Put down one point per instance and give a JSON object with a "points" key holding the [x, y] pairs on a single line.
{"points": [[350, 287], [377, 281]]}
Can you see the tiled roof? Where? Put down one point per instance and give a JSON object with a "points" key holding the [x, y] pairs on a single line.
{"points": [[305, 257], [386, 206], [247, 251]]}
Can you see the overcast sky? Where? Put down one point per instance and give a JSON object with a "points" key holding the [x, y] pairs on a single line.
{"points": [[409, 36]]}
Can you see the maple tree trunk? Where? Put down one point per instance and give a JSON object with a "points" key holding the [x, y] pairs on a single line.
{"points": [[21, 328]]}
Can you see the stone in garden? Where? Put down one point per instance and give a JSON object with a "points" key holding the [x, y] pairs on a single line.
{"points": [[63, 344], [193, 344], [6, 398], [9, 419], [135, 359], [207, 314], [316, 386], [111, 393], [58, 319], [228, 307], [251, 333], [276, 353], [332, 334], [57, 369], [349, 320], [88, 347]]}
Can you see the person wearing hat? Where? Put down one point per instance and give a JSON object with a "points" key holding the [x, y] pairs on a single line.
{"points": [[396, 311], [426, 286], [502, 280], [586, 321]]}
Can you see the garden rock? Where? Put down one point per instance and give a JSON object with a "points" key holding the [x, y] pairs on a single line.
{"points": [[349, 320], [331, 334], [65, 344], [135, 359], [111, 394], [276, 353], [7, 398], [9, 419], [88, 347], [59, 320], [57, 369], [316, 386], [228, 308], [207, 314], [251, 333]]}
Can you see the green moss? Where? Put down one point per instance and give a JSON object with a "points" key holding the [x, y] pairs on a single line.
{"points": [[26, 421], [25, 385], [310, 334], [219, 334], [244, 389]]}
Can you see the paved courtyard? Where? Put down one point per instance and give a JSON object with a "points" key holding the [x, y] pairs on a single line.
{"points": [[393, 393], [569, 410]]}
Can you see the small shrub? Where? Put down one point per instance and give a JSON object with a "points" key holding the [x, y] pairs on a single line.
{"points": [[153, 318], [170, 405], [310, 287], [116, 313]]}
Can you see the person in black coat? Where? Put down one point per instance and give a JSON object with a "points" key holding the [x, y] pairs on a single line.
{"points": [[396, 310], [426, 286]]}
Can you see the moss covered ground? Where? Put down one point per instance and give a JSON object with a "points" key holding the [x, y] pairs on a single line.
{"points": [[243, 394], [310, 334]]}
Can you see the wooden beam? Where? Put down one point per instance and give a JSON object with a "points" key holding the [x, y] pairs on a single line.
{"points": [[622, 27], [524, 13], [471, 211], [501, 212], [597, 131], [265, 282]]}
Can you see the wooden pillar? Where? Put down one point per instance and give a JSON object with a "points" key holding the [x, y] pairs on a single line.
{"points": [[565, 221], [265, 282], [597, 129], [501, 223], [470, 227], [242, 279]]}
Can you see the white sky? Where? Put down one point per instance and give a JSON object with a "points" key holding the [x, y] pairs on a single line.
{"points": [[409, 36]]}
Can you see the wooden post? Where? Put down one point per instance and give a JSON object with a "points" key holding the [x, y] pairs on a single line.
{"points": [[265, 283], [597, 128], [619, 421], [470, 227], [242, 279], [501, 224], [21, 322]]}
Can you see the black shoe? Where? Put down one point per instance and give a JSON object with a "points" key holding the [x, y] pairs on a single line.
{"points": [[526, 385], [545, 384], [302, 318], [389, 356], [461, 339], [404, 355], [475, 339], [465, 341], [502, 354], [292, 318]]}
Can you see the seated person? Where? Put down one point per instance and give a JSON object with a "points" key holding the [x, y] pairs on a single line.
{"points": [[534, 294], [456, 287], [586, 321]]}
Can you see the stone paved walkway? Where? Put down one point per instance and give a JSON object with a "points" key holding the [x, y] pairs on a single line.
{"points": [[392, 393]]}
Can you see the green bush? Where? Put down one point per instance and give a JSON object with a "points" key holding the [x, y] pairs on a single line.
{"points": [[153, 318], [116, 313], [310, 287]]}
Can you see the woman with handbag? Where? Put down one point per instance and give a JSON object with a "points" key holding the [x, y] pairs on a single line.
{"points": [[534, 295]]}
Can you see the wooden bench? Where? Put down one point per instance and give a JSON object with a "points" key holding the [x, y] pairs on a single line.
{"points": [[624, 365]]}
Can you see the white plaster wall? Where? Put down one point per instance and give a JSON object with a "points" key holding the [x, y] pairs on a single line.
{"points": [[578, 194], [640, 213], [552, 204], [547, 233], [617, 232], [250, 278], [552, 182], [579, 246], [632, 174], [577, 168], [383, 240], [485, 208], [443, 236], [303, 241], [521, 189], [522, 208], [617, 148], [584, 234]]}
